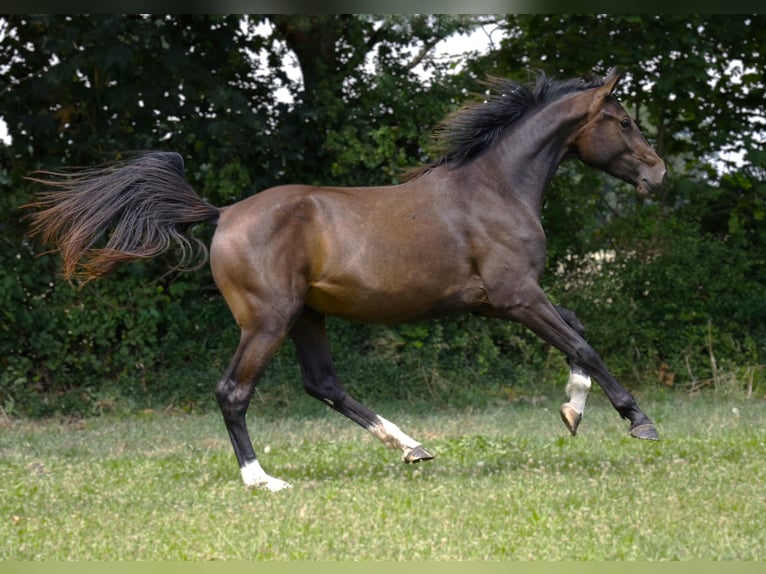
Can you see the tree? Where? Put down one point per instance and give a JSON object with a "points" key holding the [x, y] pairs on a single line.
{"points": [[361, 114]]}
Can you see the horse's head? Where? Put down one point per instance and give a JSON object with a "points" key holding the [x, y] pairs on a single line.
{"points": [[611, 141]]}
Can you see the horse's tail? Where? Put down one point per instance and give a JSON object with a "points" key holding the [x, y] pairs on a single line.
{"points": [[139, 208]]}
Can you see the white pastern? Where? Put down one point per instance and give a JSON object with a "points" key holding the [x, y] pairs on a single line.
{"points": [[392, 436], [577, 389], [253, 475]]}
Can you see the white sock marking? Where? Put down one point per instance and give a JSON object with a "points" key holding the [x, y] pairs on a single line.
{"points": [[392, 436], [254, 475], [577, 389]]}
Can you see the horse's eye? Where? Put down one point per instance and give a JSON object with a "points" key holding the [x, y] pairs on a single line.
{"points": [[625, 123]]}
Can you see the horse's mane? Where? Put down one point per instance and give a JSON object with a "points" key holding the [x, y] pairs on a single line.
{"points": [[477, 126]]}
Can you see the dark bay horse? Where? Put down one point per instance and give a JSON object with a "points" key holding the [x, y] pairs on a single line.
{"points": [[462, 235]]}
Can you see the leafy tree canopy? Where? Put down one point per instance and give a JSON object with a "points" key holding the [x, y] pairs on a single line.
{"points": [[254, 101]]}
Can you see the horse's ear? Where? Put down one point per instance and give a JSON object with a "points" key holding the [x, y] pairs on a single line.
{"points": [[603, 93], [611, 80]]}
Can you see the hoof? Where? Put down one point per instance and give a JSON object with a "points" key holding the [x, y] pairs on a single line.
{"points": [[417, 454], [273, 485], [570, 417], [644, 431]]}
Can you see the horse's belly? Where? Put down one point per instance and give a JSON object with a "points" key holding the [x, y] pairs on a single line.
{"points": [[379, 305]]}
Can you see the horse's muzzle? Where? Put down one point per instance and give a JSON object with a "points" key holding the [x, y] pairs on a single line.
{"points": [[651, 179]]}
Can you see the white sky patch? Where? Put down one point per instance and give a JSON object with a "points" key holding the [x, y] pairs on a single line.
{"points": [[289, 62], [4, 136], [459, 46]]}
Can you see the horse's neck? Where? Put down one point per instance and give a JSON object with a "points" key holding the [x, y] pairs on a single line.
{"points": [[529, 154]]}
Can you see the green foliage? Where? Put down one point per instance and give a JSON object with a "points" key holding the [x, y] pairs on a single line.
{"points": [[680, 300], [678, 316], [185, 83], [69, 347]]}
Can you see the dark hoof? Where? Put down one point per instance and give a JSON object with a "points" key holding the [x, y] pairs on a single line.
{"points": [[571, 418], [645, 431], [417, 454]]}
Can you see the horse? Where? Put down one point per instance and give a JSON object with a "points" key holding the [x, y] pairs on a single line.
{"points": [[461, 235]]}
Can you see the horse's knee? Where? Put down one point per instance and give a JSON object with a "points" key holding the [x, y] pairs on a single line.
{"points": [[586, 356]]}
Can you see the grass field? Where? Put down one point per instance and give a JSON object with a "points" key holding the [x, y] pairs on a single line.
{"points": [[507, 483]]}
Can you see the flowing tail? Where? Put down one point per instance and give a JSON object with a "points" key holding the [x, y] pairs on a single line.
{"points": [[139, 208]]}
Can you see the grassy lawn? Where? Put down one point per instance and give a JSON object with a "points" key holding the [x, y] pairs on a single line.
{"points": [[507, 483]]}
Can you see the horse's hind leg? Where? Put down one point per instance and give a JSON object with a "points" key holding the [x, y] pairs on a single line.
{"points": [[578, 385], [234, 391], [321, 382]]}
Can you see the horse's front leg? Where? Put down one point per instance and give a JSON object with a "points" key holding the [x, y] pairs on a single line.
{"points": [[578, 384], [528, 305]]}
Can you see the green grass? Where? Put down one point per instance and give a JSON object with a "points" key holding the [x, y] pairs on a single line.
{"points": [[507, 483]]}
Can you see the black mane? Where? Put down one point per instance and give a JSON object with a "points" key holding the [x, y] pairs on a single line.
{"points": [[478, 126]]}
